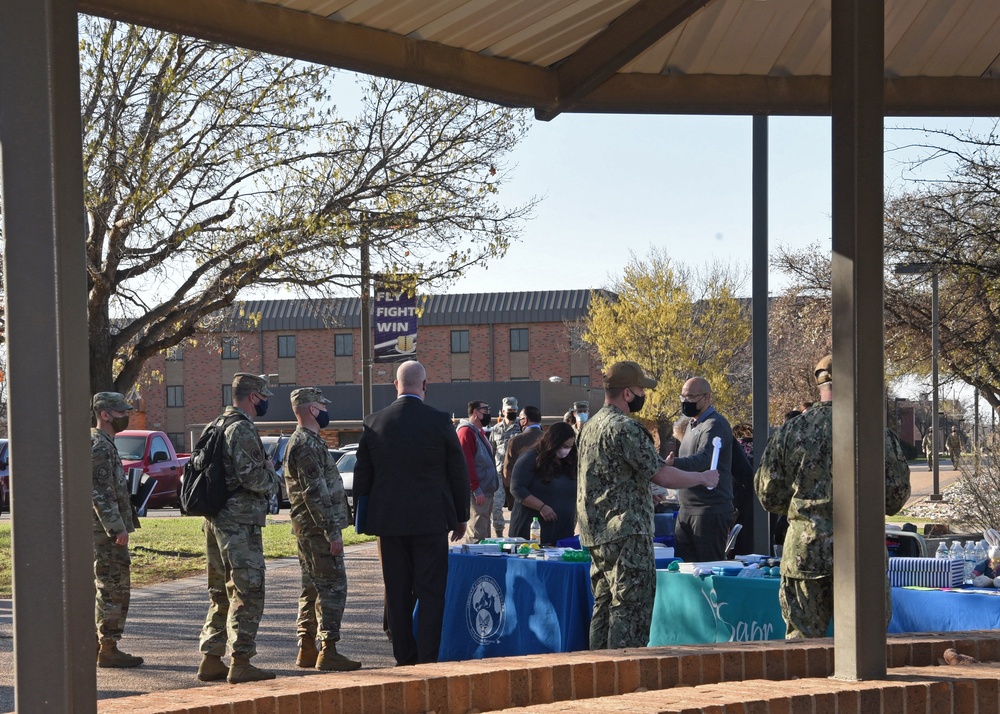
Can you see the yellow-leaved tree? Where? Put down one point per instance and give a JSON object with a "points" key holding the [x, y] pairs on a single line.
{"points": [[677, 323]]}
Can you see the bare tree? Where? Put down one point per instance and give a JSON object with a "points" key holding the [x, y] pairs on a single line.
{"points": [[212, 170]]}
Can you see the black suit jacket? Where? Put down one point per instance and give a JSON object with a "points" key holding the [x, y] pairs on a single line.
{"points": [[412, 469]]}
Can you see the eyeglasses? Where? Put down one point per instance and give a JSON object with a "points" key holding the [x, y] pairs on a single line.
{"points": [[692, 397]]}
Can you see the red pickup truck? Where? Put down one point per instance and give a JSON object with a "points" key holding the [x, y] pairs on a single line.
{"points": [[154, 454]]}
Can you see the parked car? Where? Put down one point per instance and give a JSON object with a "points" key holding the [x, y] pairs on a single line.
{"points": [[274, 447], [154, 454], [346, 468], [4, 477]]}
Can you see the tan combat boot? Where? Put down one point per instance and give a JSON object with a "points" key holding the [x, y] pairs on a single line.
{"points": [[212, 669], [307, 652], [330, 660], [242, 671], [110, 656]]}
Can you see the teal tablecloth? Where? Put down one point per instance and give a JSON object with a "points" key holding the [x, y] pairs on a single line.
{"points": [[693, 610]]}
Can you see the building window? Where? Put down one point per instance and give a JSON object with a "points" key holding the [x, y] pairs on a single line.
{"points": [[344, 382], [175, 353], [460, 380], [519, 339], [230, 348], [227, 394], [582, 381], [343, 345], [286, 345], [175, 396], [459, 341], [177, 439]]}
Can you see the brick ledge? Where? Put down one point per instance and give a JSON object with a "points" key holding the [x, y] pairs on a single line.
{"points": [[771, 676]]}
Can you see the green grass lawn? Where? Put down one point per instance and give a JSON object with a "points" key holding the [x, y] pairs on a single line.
{"points": [[170, 548]]}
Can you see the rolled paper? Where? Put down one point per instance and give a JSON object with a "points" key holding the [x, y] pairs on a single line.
{"points": [[716, 448]]}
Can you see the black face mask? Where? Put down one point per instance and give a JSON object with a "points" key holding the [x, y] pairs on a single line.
{"points": [[636, 403], [689, 409], [260, 408], [485, 419], [119, 423], [323, 418]]}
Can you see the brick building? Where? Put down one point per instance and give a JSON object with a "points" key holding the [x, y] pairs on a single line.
{"points": [[481, 337]]}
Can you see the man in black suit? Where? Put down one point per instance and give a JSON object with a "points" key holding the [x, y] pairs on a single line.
{"points": [[412, 469]]}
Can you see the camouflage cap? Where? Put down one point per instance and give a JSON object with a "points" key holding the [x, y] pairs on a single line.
{"points": [[308, 395], [244, 383], [581, 406], [627, 374], [509, 404], [824, 370], [110, 400]]}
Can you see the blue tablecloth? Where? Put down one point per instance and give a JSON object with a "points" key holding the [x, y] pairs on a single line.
{"points": [[694, 610], [944, 610], [496, 606]]}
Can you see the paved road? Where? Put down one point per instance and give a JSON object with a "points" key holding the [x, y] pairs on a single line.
{"points": [[165, 620]]}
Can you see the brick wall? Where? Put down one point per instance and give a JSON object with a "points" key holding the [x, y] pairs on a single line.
{"points": [[204, 371]]}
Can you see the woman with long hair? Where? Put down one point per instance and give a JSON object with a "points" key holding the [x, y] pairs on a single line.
{"points": [[544, 486]]}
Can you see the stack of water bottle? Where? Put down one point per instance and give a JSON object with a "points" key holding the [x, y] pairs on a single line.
{"points": [[972, 554]]}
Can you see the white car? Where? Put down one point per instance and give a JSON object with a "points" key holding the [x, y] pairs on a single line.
{"points": [[346, 468]]}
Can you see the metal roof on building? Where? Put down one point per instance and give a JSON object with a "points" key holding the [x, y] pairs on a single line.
{"points": [[460, 309]]}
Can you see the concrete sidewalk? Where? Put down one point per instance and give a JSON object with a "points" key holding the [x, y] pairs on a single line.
{"points": [[165, 620], [922, 479]]}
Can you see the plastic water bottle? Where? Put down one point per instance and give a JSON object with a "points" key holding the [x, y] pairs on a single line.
{"points": [[956, 552], [536, 531], [942, 551], [980, 553], [970, 558]]}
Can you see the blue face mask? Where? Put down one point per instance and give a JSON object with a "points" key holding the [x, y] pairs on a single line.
{"points": [[323, 418], [260, 408]]}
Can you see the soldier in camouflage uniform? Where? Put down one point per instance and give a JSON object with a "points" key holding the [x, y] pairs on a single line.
{"points": [[795, 478], [617, 461], [505, 430], [114, 519], [235, 550], [319, 514]]}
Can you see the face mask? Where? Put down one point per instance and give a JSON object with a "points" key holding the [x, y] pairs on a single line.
{"points": [[485, 419], [562, 453], [581, 417], [323, 418], [119, 423], [260, 408], [511, 416], [636, 404], [689, 409]]}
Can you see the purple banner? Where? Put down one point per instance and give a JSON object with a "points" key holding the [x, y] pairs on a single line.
{"points": [[395, 323]]}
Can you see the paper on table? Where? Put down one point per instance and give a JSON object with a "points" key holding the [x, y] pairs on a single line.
{"points": [[716, 448]]}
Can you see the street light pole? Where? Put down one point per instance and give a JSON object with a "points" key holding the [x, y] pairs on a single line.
{"points": [[936, 480]]}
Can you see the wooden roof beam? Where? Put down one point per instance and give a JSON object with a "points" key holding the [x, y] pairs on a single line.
{"points": [[290, 33], [785, 96], [635, 31]]}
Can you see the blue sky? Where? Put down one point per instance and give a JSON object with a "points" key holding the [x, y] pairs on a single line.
{"points": [[614, 184]]}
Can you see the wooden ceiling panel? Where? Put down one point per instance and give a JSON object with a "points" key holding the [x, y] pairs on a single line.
{"points": [[557, 35], [479, 25], [942, 56], [701, 37], [807, 51]]}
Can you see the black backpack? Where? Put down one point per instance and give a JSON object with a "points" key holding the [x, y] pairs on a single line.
{"points": [[203, 487]]}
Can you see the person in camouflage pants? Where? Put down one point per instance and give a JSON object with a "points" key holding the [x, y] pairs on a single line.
{"points": [[319, 513], [617, 461], [114, 519], [234, 546], [795, 478]]}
